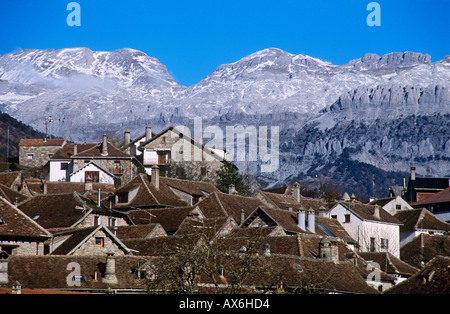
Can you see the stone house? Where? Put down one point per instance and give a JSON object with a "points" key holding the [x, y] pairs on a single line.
{"points": [[96, 240], [19, 234], [178, 155], [97, 162], [36, 153]]}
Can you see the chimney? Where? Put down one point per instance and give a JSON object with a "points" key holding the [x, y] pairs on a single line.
{"points": [[155, 176], [413, 173], [328, 250], [376, 212], [88, 185], [75, 149], [311, 220], [16, 288], [110, 272], [296, 191], [104, 146], [322, 211], [99, 197], [44, 188], [127, 138], [301, 218], [4, 268], [148, 132], [231, 189], [242, 216], [267, 249]]}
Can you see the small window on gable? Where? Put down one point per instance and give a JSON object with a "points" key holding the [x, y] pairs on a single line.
{"points": [[347, 218], [99, 242]]}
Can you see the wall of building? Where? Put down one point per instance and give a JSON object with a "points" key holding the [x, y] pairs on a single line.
{"points": [[41, 155]]}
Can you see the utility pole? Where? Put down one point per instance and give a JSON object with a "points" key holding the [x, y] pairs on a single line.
{"points": [[7, 150]]}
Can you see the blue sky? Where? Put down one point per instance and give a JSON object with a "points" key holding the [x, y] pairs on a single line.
{"points": [[192, 38]]}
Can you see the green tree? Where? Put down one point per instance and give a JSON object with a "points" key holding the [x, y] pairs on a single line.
{"points": [[228, 174]]}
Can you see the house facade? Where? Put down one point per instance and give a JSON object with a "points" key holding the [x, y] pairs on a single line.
{"points": [[179, 156], [37, 152], [374, 229]]}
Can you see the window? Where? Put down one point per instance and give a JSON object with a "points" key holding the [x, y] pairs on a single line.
{"points": [[64, 166], [163, 140], [30, 156], [117, 168], [50, 156], [372, 245], [99, 242], [398, 207], [96, 220], [93, 176], [162, 158], [347, 218], [112, 222], [2, 222], [203, 171], [122, 198], [334, 216], [384, 244]]}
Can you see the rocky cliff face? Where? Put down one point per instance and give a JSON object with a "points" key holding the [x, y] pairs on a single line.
{"points": [[384, 111]]}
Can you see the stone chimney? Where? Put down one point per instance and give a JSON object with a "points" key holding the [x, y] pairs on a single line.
{"points": [[296, 191], [105, 146], [413, 173], [75, 149], [301, 218], [110, 272], [44, 188], [242, 216], [231, 189], [16, 288], [127, 140], [4, 268], [322, 211], [311, 220], [148, 132], [376, 212], [328, 250], [155, 176]]}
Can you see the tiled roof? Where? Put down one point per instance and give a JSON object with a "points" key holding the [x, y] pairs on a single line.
{"points": [[440, 197], [366, 212], [11, 195], [60, 210], [425, 247], [8, 178], [50, 272], [191, 187], [433, 278], [96, 152], [421, 218], [389, 263], [148, 195], [14, 223], [42, 142], [136, 231]]}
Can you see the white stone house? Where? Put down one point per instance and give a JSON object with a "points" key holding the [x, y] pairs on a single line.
{"points": [[373, 228]]}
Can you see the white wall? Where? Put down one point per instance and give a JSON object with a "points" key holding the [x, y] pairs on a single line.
{"points": [[79, 176], [56, 174]]}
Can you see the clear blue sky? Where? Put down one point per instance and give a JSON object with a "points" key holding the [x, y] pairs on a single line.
{"points": [[192, 38]]}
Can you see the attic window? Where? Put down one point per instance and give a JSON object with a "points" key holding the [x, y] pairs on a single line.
{"points": [[347, 218], [99, 242]]}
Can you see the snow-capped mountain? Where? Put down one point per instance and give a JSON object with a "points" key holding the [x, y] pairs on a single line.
{"points": [[89, 93]]}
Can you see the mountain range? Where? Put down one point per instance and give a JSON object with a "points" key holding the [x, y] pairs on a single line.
{"points": [[377, 115]]}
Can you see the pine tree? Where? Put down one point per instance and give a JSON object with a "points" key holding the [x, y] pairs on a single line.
{"points": [[228, 174]]}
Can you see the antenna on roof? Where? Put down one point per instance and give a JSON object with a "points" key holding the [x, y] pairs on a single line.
{"points": [[47, 122]]}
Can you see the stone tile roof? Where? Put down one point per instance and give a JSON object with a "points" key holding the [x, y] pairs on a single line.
{"points": [[50, 272], [148, 195], [15, 224], [366, 212], [190, 187], [61, 210], [389, 263], [137, 231], [424, 248], [433, 278], [8, 178], [11, 195], [421, 218]]}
